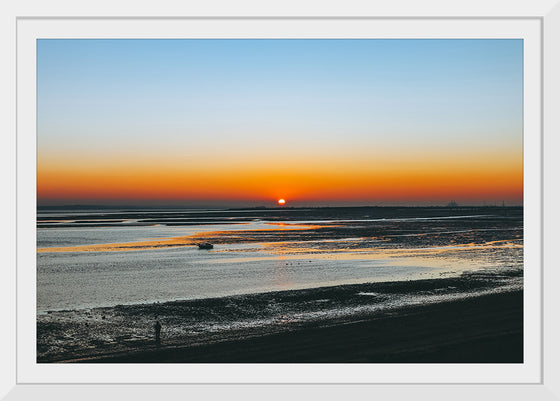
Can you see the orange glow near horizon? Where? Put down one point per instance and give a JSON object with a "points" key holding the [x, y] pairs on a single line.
{"points": [[309, 179], [246, 122]]}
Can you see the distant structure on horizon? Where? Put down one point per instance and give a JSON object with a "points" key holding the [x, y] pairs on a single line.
{"points": [[452, 204]]}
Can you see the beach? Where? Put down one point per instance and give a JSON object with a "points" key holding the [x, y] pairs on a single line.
{"points": [[485, 329], [458, 320], [333, 285]]}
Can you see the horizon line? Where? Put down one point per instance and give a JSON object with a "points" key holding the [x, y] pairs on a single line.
{"points": [[224, 207]]}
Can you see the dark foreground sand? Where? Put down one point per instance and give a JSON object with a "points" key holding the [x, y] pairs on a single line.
{"points": [[482, 329]]}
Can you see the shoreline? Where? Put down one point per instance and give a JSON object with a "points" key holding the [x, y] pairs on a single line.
{"points": [[478, 329]]}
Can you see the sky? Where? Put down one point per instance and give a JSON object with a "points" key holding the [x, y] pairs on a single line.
{"points": [[245, 122]]}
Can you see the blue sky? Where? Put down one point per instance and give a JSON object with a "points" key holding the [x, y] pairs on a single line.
{"points": [[314, 97], [405, 88]]}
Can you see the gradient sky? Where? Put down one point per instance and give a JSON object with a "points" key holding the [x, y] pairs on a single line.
{"points": [[245, 122]]}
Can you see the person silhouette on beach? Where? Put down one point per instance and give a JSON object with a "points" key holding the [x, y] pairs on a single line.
{"points": [[157, 328]]}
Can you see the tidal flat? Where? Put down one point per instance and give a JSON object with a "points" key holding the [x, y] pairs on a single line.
{"points": [[281, 285]]}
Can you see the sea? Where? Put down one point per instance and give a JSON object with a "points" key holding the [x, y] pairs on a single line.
{"points": [[100, 268], [261, 250]]}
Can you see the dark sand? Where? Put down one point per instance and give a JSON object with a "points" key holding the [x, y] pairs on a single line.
{"points": [[482, 329]]}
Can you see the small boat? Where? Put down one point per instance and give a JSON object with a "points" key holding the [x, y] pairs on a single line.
{"points": [[205, 245]]}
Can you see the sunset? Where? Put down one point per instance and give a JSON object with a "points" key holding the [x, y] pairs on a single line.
{"points": [[245, 122], [265, 200]]}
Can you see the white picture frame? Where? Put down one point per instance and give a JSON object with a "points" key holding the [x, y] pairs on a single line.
{"points": [[545, 387]]}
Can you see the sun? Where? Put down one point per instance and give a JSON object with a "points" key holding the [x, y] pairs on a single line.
{"points": [[281, 202]]}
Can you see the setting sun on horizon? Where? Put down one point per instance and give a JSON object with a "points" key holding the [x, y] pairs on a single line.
{"points": [[264, 200], [241, 122]]}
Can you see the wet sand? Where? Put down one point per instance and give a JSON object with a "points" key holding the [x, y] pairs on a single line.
{"points": [[476, 317], [482, 329]]}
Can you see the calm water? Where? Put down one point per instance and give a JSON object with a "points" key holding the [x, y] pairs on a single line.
{"points": [[259, 252]]}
